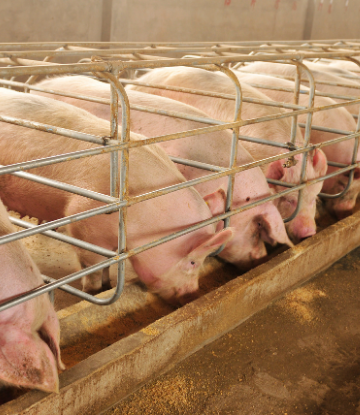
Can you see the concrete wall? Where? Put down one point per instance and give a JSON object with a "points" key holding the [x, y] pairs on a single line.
{"points": [[207, 20], [50, 20], [339, 19], [177, 20]]}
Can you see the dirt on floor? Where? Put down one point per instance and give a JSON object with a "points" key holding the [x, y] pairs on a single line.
{"points": [[300, 356]]}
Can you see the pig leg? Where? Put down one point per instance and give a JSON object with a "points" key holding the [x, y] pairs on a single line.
{"points": [[100, 230]]}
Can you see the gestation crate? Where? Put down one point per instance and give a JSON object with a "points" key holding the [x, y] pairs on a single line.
{"points": [[115, 371]]}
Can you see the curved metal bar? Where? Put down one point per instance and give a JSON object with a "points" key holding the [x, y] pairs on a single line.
{"points": [[234, 147], [306, 136], [351, 174], [119, 182], [235, 141]]}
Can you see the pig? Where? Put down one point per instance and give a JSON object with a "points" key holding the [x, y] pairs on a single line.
{"points": [[350, 66], [172, 269], [342, 152], [352, 88], [251, 227], [303, 225], [333, 70], [29, 332]]}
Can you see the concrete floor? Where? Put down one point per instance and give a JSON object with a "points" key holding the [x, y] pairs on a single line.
{"points": [[300, 356]]}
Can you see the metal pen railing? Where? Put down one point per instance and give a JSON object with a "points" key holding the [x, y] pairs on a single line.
{"points": [[109, 60]]}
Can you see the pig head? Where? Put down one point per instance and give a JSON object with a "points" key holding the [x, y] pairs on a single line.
{"points": [[303, 225], [29, 332]]}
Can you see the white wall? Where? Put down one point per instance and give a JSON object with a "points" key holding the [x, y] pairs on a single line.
{"points": [[207, 20], [177, 20], [50, 20]]}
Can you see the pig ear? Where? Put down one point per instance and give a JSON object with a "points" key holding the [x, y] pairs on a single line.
{"points": [[50, 333], [216, 202], [275, 170], [319, 162], [25, 360], [273, 230], [212, 244]]}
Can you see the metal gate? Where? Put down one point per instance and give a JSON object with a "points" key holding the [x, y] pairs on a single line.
{"points": [[118, 64]]}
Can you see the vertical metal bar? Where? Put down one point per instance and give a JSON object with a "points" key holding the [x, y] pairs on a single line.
{"points": [[52, 296], [306, 136], [307, 127], [235, 141], [114, 159], [122, 188], [234, 147], [296, 102], [356, 148]]}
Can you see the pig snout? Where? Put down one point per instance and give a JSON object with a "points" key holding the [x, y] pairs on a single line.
{"points": [[257, 256], [341, 208], [301, 227], [178, 296]]}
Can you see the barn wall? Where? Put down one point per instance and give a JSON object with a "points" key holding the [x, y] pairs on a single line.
{"points": [[177, 20], [50, 20], [338, 19], [207, 20]]}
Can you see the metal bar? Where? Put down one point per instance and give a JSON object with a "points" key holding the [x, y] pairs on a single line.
{"points": [[121, 183], [57, 130], [108, 66], [197, 164], [64, 186], [65, 238], [213, 94], [223, 50], [302, 91], [351, 174], [306, 137]]}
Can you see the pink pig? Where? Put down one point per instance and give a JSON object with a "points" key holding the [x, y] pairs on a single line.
{"points": [[170, 269], [349, 66], [342, 152], [351, 88], [303, 225], [251, 227], [29, 332]]}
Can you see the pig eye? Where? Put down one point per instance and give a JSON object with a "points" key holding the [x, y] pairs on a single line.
{"points": [[192, 262]]}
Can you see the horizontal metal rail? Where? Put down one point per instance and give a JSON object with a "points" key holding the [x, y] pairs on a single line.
{"points": [[65, 238], [136, 199]]}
